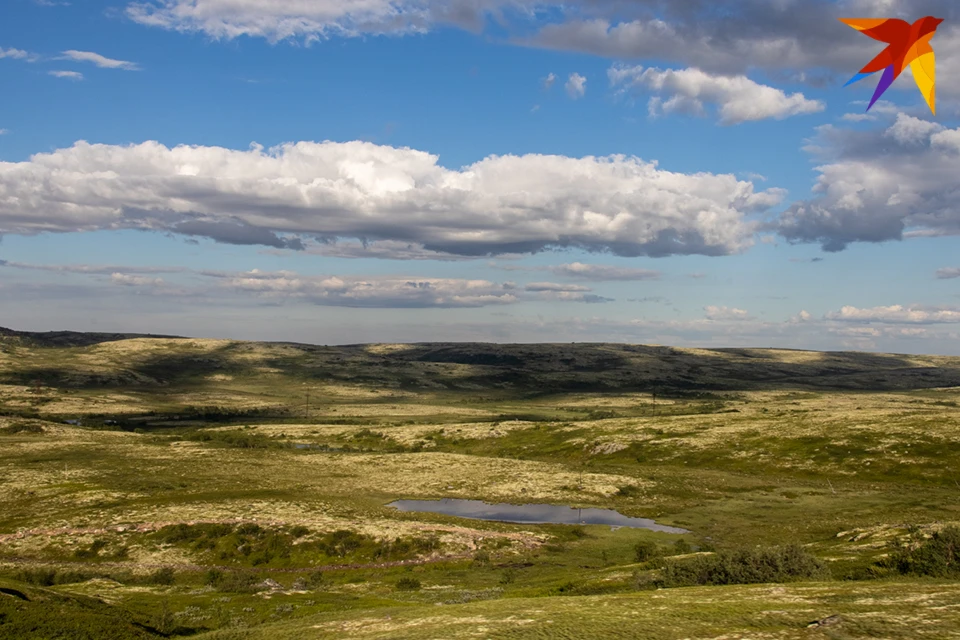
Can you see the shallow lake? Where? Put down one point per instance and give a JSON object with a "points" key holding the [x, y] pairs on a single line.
{"points": [[530, 513]]}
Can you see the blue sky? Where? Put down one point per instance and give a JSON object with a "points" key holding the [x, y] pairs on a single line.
{"points": [[500, 171]]}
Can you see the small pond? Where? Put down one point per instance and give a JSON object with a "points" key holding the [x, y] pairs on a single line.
{"points": [[530, 513]]}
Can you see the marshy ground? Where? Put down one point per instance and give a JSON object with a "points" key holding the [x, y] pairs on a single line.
{"points": [[182, 505]]}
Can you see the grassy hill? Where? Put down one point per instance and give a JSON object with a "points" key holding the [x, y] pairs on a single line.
{"points": [[240, 488]]}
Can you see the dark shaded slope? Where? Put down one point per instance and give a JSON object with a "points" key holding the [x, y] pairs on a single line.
{"points": [[70, 338]]}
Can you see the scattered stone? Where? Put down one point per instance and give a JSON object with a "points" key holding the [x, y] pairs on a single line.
{"points": [[825, 622], [271, 584]]}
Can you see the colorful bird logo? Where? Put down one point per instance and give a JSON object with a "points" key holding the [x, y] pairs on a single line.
{"points": [[908, 44]]}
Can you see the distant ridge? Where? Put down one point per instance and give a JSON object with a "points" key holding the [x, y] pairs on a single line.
{"points": [[72, 338]]}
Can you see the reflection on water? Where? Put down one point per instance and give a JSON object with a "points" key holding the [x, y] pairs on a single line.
{"points": [[530, 513]]}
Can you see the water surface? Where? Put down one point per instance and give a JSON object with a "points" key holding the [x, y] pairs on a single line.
{"points": [[530, 513]]}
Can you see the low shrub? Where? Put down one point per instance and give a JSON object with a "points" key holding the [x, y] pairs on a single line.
{"points": [[52, 577], [22, 427], [938, 556], [743, 566], [163, 576], [408, 584], [646, 550]]}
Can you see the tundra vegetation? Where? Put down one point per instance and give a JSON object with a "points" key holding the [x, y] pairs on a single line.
{"points": [[234, 490]]}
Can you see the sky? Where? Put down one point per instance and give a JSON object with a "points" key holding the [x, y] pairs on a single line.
{"points": [[357, 171]]}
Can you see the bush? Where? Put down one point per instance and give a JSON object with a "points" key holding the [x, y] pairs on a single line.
{"points": [[645, 550], [299, 531], [237, 582], [408, 584], [52, 577], [164, 576], [938, 557], [628, 491], [744, 566], [22, 427], [681, 547]]}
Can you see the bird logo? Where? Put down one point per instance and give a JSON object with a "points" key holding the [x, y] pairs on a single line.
{"points": [[908, 44]]}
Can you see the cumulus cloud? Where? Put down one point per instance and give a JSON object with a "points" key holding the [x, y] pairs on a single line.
{"points": [[576, 86], [99, 60], [897, 314], [725, 313], [790, 37], [688, 91], [549, 81], [947, 274], [879, 185], [499, 205], [69, 75]]}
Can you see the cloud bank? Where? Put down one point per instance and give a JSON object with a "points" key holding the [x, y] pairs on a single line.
{"points": [[324, 190]]}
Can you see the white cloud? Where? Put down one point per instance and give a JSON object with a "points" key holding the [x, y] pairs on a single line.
{"points": [[909, 130], [99, 60], [373, 292], [499, 205], [857, 117], [603, 273], [576, 86], [70, 75], [16, 54], [897, 314], [880, 184], [549, 81], [135, 281], [4, 132], [280, 19], [947, 274], [725, 313], [800, 40], [738, 98]]}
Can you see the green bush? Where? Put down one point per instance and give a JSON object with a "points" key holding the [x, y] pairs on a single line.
{"points": [[938, 556], [744, 566], [163, 576], [408, 584], [237, 582], [682, 547], [645, 550], [22, 427], [628, 491], [53, 577], [299, 531]]}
